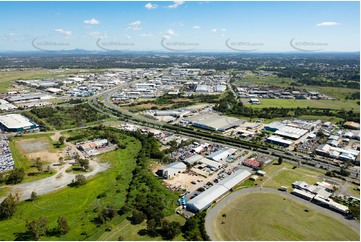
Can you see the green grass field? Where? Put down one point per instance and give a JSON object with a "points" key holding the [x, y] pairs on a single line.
{"points": [[267, 216], [284, 175], [78, 204], [130, 232], [293, 103]]}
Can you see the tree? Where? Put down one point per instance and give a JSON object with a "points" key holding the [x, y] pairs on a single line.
{"points": [[63, 226], [106, 214], [152, 227], [280, 160], [33, 196], [84, 163], [170, 230], [61, 160], [16, 176], [61, 140], [37, 227], [79, 180], [8, 207], [137, 217]]}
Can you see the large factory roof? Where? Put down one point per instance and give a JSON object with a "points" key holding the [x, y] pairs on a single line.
{"points": [[207, 197], [215, 121], [15, 121]]}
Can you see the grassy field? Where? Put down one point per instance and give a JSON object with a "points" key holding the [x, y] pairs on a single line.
{"points": [[131, 232], [284, 175], [266, 216], [294, 103], [78, 204]]}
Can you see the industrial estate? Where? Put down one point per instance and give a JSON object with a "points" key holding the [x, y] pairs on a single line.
{"points": [[178, 145]]}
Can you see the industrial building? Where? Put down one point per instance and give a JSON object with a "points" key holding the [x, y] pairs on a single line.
{"points": [[337, 153], [171, 170], [90, 145], [214, 122], [277, 140], [219, 155], [206, 198], [291, 130], [28, 97], [16, 123]]}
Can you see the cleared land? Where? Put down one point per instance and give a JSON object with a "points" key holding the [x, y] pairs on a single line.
{"points": [[267, 216], [293, 103], [27, 148]]}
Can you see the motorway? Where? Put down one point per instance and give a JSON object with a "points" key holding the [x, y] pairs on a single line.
{"points": [[102, 102]]}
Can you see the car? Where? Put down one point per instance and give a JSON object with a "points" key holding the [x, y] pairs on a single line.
{"points": [[194, 182]]}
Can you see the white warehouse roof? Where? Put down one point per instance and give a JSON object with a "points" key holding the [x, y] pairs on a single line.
{"points": [[15, 121], [207, 197], [219, 155]]}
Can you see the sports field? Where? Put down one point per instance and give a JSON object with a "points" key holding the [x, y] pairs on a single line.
{"points": [[268, 216]]}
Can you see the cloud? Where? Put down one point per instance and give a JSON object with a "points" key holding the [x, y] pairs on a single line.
{"points": [[91, 21], [65, 33], [135, 25], [151, 6], [11, 36], [97, 35], [149, 35], [224, 30], [196, 27], [176, 4], [169, 33], [214, 30], [328, 24]]}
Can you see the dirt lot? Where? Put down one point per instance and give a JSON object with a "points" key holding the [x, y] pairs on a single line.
{"points": [[38, 147], [184, 181]]}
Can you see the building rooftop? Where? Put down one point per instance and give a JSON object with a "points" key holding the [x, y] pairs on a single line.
{"points": [[15, 121]]}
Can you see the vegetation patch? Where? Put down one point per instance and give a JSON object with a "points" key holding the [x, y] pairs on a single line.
{"points": [[64, 117]]}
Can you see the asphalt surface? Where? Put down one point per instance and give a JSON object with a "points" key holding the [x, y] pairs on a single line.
{"points": [[212, 212]]}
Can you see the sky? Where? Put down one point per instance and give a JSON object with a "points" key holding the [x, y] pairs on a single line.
{"points": [[180, 26]]}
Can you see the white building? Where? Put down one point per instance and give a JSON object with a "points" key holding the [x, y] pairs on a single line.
{"points": [[206, 198], [172, 170]]}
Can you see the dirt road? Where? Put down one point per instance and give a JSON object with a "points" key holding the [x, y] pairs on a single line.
{"points": [[59, 180]]}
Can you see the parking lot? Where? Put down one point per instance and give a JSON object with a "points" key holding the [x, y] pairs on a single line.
{"points": [[6, 159]]}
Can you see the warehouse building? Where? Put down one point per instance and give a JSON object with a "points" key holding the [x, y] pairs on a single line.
{"points": [[206, 198], [219, 155], [16, 123], [338, 153], [28, 97], [214, 122], [171, 170], [277, 140]]}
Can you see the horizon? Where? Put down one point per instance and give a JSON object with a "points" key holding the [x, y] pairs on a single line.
{"points": [[180, 26]]}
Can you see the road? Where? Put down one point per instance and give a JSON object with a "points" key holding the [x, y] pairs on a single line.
{"points": [[212, 212]]}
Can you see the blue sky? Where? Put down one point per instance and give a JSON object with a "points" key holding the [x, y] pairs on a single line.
{"points": [[198, 26]]}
